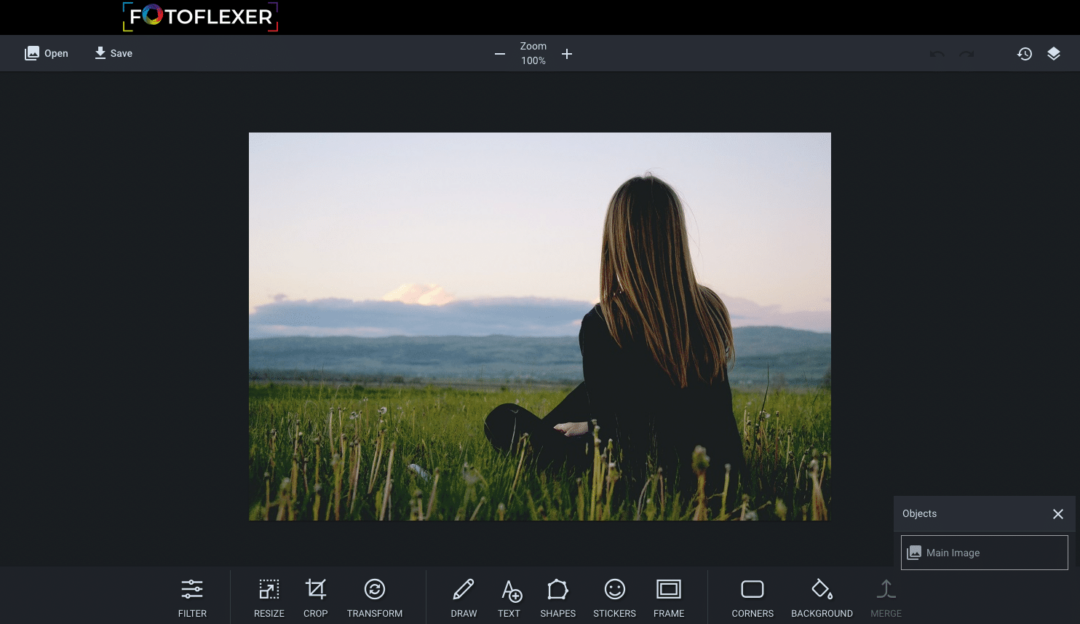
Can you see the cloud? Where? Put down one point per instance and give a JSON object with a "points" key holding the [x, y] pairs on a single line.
{"points": [[523, 316], [511, 316], [422, 294], [746, 313], [279, 297]]}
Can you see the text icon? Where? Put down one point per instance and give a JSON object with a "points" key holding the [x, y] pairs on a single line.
{"points": [[514, 595]]}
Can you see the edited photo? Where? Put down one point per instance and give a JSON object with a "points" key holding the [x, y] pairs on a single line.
{"points": [[518, 327]]}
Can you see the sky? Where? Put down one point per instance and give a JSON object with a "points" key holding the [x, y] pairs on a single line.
{"points": [[436, 234]]}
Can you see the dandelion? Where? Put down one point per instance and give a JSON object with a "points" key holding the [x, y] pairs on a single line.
{"points": [[700, 462], [382, 410]]}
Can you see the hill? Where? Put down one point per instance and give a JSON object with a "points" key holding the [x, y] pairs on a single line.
{"points": [[791, 355]]}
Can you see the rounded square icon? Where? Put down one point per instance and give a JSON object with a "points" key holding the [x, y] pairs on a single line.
{"points": [[753, 589]]}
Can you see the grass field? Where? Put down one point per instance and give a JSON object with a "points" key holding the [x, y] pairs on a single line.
{"points": [[343, 452]]}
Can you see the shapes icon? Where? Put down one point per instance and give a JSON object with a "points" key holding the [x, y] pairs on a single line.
{"points": [[515, 595], [374, 589], [315, 589], [557, 590], [820, 588], [269, 589]]}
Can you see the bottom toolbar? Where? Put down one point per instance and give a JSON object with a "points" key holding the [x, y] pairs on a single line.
{"points": [[608, 595]]}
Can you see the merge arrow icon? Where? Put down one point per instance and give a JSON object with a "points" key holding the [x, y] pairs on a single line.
{"points": [[886, 583]]}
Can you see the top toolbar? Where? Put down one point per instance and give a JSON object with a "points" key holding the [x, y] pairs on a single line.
{"points": [[839, 53]]}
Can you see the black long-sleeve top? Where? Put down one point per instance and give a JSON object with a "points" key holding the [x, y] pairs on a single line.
{"points": [[634, 403]]}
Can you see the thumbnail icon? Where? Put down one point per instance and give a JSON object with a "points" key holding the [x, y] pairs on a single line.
{"points": [[557, 590], [315, 589], [466, 586], [614, 589], [192, 586], [269, 589], [820, 588], [374, 589], [31, 53], [914, 553], [752, 589], [1053, 53], [669, 589], [515, 595]]}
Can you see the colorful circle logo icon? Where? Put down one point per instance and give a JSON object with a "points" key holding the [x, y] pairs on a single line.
{"points": [[146, 14]]}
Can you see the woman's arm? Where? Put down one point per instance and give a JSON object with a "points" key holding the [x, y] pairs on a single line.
{"points": [[572, 429], [600, 356]]}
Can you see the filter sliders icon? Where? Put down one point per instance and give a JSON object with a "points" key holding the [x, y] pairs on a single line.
{"points": [[192, 587]]}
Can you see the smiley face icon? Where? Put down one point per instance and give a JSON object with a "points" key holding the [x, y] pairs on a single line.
{"points": [[614, 589], [374, 589]]}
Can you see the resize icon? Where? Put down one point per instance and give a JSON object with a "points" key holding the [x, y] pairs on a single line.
{"points": [[269, 589], [315, 589], [192, 590]]}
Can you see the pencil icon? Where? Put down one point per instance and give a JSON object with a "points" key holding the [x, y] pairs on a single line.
{"points": [[466, 586]]}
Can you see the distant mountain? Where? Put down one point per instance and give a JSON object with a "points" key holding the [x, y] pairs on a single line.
{"points": [[799, 356]]}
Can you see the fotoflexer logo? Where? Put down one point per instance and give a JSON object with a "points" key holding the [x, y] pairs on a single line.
{"points": [[154, 15]]}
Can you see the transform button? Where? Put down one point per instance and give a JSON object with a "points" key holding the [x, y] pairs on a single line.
{"points": [[984, 552]]}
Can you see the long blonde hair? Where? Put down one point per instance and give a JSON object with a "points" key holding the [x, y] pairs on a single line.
{"points": [[647, 285]]}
